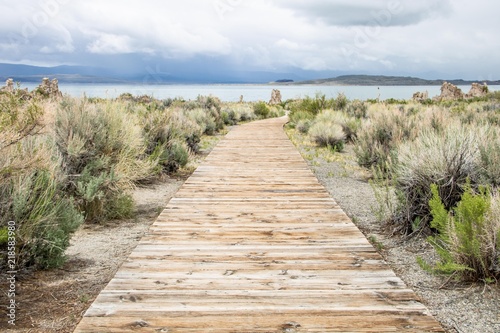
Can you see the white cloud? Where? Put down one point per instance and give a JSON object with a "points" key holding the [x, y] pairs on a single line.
{"points": [[286, 44], [368, 12], [363, 35], [110, 44]]}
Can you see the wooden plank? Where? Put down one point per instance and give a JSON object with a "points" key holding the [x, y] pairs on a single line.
{"points": [[253, 243]]}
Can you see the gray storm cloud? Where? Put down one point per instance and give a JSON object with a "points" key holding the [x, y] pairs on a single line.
{"points": [[403, 36]]}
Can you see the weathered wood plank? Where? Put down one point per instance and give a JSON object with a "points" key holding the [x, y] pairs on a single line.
{"points": [[253, 243]]}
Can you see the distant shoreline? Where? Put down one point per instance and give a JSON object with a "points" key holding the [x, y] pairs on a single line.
{"points": [[346, 81]]}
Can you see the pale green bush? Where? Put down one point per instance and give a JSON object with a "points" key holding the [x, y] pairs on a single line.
{"points": [[490, 157], [381, 135], [328, 135], [32, 196], [261, 110], [468, 238], [103, 153]]}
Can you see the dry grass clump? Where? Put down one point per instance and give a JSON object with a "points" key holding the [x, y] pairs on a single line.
{"points": [[45, 217], [489, 150], [301, 120], [350, 125], [103, 153], [380, 135], [328, 135], [240, 112], [357, 109], [449, 159], [31, 194], [19, 117]]}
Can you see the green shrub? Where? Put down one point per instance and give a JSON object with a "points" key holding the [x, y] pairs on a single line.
{"points": [[233, 117], [379, 137], [19, 117], [246, 114], [357, 109], [350, 125], [341, 102], [209, 102], [310, 105], [328, 135], [122, 206], [45, 220], [261, 110], [31, 195], [448, 159], [276, 111], [300, 116], [392, 101], [490, 158], [467, 242], [176, 156], [103, 151], [30, 187], [303, 126]]}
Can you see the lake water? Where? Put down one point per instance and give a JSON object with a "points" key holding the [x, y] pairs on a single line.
{"points": [[232, 93]]}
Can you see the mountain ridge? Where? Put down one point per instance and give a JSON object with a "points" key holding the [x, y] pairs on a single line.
{"points": [[97, 75], [383, 80]]}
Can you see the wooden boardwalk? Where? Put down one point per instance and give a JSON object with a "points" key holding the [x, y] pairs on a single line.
{"points": [[253, 243]]}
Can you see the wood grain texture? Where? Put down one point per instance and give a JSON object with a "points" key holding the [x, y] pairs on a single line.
{"points": [[253, 243]]}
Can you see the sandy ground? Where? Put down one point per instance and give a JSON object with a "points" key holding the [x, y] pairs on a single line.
{"points": [[54, 301]]}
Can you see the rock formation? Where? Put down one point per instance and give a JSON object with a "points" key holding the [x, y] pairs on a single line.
{"points": [[420, 96], [9, 86], [12, 89], [450, 92], [477, 90], [275, 97], [49, 88]]}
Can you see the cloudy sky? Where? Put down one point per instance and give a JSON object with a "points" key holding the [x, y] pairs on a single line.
{"points": [[426, 38]]}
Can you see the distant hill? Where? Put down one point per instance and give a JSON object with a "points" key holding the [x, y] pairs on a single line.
{"points": [[84, 74], [381, 80], [204, 75]]}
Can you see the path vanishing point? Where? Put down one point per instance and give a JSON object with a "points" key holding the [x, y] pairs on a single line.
{"points": [[251, 243]]}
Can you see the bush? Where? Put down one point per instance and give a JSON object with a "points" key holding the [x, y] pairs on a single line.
{"points": [[276, 111], [311, 105], [380, 136], [450, 160], [241, 112], [468, 239], [32, 197], [328, 135], [261, 110], [300, 116], [103, 151], [176, 156], [19, 117], [303, 126], [490, 158], [341, 102], [30, 192], [45, 220], [357, 109], [209, 102]]}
